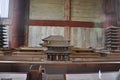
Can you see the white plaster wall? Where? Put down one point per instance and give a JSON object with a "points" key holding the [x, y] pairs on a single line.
{"points": [[87, 37]]}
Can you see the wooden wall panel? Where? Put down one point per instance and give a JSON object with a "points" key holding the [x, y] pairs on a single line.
{"points": [[87, 10], [47, 9]]}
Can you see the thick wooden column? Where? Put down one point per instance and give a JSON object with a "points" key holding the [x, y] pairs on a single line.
{"points": [[16, 30], [67, 17], [13, 40]]}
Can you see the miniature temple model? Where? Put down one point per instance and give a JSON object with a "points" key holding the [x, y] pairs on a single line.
{"points": [[58, 48], [112, 40], [2, 35]]}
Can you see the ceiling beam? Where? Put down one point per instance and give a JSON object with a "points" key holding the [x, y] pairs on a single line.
{"points": [[61, 23]]}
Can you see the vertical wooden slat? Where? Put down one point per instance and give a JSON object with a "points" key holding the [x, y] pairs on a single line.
{"points": [[117, 5], [67, 17], [26, 25]]}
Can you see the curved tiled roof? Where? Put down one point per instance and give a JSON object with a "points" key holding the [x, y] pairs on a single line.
{"points": [[56, 38]]}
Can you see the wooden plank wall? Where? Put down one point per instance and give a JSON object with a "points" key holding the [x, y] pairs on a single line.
{"points": [[87, 10], [81, 10], [47, 9]]}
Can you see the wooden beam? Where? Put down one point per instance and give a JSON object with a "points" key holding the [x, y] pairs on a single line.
{"points": [[67, 14], [67, 9], [60, 23]]}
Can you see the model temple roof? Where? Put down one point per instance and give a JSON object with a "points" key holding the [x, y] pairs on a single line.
{"points": [[55, 38]]}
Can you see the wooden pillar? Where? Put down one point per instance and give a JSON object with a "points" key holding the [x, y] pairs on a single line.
{"points": [[13, 28], [16, 30], [110, 12], [67, 17], [57, 57], [49, 56]]}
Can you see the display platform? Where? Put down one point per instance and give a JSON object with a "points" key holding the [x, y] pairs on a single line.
{"points": [[12, 76], [17, 76], [93, 76]]}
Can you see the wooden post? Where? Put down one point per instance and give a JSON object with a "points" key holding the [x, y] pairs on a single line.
{"points": [[26, 24], [13, 39], [16, 31], [67, 17]]}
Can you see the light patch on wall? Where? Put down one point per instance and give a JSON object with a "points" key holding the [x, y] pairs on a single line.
{"points": [[4, 8]]}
